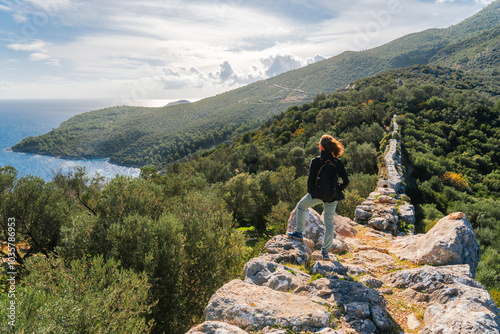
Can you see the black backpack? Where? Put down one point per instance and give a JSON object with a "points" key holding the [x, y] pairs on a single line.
{"points": [[327, 182]]}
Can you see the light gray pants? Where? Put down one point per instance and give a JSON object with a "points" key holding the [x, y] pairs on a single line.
{"points": [[329, 212]]}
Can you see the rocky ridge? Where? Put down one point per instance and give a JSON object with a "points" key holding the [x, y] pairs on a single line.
{"points": [[376, 282], [379, 284]]}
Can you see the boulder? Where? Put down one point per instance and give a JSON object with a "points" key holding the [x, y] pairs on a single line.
{"points": [[343, 226], [285, 249], [450, 241], [457, 303], [314, 228], [215, 327], [261, 271], [327, 268], [253, 307], [371, 282]]}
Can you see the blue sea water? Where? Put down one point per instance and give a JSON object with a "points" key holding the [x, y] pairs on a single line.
{"points": [[23, 118]]}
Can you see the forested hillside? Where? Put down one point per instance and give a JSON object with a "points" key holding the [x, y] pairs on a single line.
{"points": [[141, 136], [172, 240]]}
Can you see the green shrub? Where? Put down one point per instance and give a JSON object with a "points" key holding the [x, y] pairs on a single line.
{"points": [[91, 296]]}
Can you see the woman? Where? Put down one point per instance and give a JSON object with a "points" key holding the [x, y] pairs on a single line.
{"points": [[331, 149]]}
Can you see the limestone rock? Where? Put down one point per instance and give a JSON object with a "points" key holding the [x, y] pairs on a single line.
{"points": [[254, 307], [361, 303], [339, 246], [362, 214], [457, 215], [373, 260], [327, 268], [412, 322], [215, 327], [457, 303], [450, 241], [328, 331], [343, 226], [314, 227], [261, 271], [379, 223], [371, 282], [407, 213], [385, 199], [286, 249]]}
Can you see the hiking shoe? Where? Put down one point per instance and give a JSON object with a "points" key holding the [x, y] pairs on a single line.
{"points": [[295, 235], [325, 255]]}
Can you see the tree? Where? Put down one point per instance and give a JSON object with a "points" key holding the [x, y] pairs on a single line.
{"points": [[243, 197], [361, 158], [81, 296], [39, 210]]}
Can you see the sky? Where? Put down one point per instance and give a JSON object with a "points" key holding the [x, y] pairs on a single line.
{"points": [[129, 49]]}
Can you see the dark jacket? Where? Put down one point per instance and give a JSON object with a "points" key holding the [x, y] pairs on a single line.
{"points": [[316, 164]]}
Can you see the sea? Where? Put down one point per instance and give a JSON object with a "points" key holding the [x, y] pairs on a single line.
{"points": [[23, 118]]}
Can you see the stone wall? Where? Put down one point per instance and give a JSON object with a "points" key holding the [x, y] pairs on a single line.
{"points": [[387, 206]]}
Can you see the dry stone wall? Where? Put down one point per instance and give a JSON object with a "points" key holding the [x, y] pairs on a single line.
{"points": [[387, 206]]}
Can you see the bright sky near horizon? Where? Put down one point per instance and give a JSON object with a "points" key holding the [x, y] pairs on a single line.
{"points": [[191, 49]]}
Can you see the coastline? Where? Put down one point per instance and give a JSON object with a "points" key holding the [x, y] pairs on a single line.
{"points": [[75, 158]]}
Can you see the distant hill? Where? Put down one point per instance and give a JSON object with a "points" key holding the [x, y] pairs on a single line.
{"points": [[478, 54], [137, 136], [177, 103]]}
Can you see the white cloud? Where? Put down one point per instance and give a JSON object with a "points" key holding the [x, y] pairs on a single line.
{"points": [[5, 8], [30, 45], [18, 18], [39, 56]]}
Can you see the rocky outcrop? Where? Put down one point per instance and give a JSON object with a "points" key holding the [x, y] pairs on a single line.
{"points": [[375, 287], [314, 227], [450, 241], [216, 327], [264, 272], [254, 307], [284, 249], [456, 302]]}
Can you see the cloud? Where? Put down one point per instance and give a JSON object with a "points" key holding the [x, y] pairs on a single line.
{"points": [[18, 18], [54, 5], [38, 49], [226, 71], [30, 45], [39, 56], [278, 64], [5, 8], [205, 47]]}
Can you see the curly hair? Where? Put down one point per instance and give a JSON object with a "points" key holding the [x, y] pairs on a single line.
{"points": [[332, 145]]}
